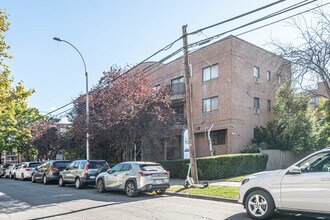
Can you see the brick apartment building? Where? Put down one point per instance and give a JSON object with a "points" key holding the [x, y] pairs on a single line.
{"points": [[233, 89]]}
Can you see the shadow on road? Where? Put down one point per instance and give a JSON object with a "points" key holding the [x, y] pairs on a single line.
{"points": [[18, 196], [243, 216]]}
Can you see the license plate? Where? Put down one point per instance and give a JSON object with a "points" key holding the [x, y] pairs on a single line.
{"points": [[158, 181], [92, 177]]}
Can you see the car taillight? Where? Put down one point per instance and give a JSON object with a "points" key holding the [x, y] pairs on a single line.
{"points": [[167, 172], [86, 169], [144, 174], [28, 169], [54, 169]]}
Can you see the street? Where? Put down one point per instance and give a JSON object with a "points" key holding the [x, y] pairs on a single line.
{"points": [[27, 200]]}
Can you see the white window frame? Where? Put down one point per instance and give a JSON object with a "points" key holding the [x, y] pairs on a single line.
{"points": [[210, 104], [157, 87], [210, 72], [256, 74], [256, 105], [269, 76]]}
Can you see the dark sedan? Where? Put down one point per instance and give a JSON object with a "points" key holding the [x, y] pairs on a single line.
{"points": [[49, 171]]}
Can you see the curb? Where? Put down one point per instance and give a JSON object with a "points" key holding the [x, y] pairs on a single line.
{"points": [[213, 198]]}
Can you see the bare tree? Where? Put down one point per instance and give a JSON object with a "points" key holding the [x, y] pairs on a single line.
{"points": [[310, 53]]}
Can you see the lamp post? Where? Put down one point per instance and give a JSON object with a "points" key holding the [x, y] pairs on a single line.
{"points": [[87, 101]]}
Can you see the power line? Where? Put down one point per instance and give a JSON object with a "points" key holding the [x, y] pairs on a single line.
{"points": [[237, 17], [207, 40], [198, 43]]}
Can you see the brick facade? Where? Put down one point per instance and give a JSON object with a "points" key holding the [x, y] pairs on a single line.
{"points": [[235, 88]]}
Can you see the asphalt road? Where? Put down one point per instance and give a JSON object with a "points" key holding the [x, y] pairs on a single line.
{"points": [[27, 200]]}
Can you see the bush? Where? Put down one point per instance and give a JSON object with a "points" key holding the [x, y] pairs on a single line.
{"points": [[219, 167]]}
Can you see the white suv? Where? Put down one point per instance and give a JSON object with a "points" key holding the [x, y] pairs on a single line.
{"points": [[303, 187]]}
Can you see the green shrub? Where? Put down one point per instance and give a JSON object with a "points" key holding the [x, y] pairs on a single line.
{"points": [[219, 167]]}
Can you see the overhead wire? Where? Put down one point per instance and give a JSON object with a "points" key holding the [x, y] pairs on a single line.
{"points": [[150, 67]]}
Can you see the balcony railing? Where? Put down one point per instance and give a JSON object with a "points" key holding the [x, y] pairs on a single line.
{"points": [[177, 91]]}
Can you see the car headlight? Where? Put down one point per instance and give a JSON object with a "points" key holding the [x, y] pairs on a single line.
{"points": [[245, 181]]}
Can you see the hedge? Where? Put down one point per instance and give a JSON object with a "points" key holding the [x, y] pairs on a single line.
{"points": [[219, 167]]}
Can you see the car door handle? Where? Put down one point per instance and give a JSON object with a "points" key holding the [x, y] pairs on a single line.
{"points": [[325, 179]]}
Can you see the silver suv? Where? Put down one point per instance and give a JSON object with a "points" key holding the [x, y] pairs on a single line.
{"points": [[82, 172], [134, 177]]}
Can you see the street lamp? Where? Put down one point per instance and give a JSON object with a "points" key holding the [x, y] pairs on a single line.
{"points": [[87, 102]]}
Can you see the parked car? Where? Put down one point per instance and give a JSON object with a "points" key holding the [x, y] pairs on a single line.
{"points": [[49, 171], [82, 172], [303, 187], [25, 170], [134, 177], [3, 168], [10, 170]]}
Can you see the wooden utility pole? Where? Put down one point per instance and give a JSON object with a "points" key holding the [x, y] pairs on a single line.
{"points": [[190, 126]]}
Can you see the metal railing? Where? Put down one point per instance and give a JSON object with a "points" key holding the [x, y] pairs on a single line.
{"points": [[177, 91]]}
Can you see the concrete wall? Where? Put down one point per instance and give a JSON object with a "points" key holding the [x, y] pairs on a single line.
{"points": [[278, 159]]}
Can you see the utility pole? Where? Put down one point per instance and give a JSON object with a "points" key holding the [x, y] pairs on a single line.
{"points": [[190, 126]]}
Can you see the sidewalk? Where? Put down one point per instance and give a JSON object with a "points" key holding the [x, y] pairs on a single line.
{"points": [[180, 182]]}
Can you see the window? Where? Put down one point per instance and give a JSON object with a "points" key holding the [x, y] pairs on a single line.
{"points": [[269, 76], [218, 137], [177, 80], [127, 167], [210, 104], [117, 168], [210, 72], [256, 74], [82, 165], [317, 163], [269, 106], [256, 105], [76, 165], [279, 78], [157, 87]]}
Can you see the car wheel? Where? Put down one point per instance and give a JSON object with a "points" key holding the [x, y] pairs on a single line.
{"points": [[44, 180], [15, 176], [22, 177], [100, 186], [160, 191], [186, 184], [130, 189], [78, 183], [61, 182], [260, 205], [10, 176], [33, 178]]}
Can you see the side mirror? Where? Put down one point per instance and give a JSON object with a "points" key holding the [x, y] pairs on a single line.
{"points": [[109, 171], [294, 170]]}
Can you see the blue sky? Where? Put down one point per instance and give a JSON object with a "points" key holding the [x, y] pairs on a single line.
{"points": [[111, 32]]}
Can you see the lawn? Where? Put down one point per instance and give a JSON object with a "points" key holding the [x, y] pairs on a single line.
{"points": [[236, 179], [220, 191]]}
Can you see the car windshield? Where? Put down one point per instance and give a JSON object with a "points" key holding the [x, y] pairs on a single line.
{"points": [[96, 165], [33, 165], [151, 167], [62, 164]]}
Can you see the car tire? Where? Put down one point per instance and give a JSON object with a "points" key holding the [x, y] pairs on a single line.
{"points": [[22, 177], [15, 176], [160, 191], [130, 189], [100, 186], [44, 180], [78, 183], [33, 178], [61, 182], [260, 205]]}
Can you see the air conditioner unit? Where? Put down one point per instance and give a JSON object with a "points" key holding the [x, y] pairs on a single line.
{"points": [[256, 111]]}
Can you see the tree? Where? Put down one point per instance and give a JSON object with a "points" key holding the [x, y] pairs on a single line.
{"points": [[126, 113], [296, 127], [311, 55], [45, 138], [15, 115]]}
